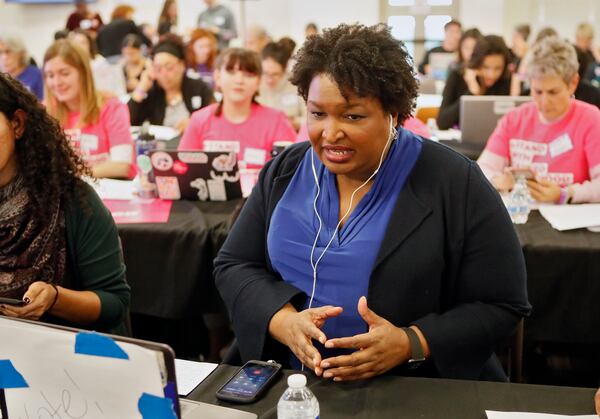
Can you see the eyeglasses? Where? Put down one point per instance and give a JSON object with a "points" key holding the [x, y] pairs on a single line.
{"points": [[168, 67]]}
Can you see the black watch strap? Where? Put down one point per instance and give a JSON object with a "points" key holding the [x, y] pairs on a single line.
{"points": [[416, 350]]}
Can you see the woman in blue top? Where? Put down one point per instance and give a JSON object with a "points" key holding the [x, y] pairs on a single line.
{"points": [[374, 250], [15, 61]]}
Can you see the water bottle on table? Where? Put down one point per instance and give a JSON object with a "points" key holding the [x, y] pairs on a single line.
{"points": [[298, 402], [144, 145], [518, 201]]}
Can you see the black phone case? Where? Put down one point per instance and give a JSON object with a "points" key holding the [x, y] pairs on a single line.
{"points": [[243, 400]]}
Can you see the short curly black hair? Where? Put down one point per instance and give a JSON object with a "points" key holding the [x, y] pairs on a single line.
{"points": [[49, 167], [366, 61]]}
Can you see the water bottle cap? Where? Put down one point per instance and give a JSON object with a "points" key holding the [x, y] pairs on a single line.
{"points": [[296, 380]]}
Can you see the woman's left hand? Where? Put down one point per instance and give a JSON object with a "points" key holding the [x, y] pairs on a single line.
{"points": [[382, 348], [544, 190], [40, 295]]}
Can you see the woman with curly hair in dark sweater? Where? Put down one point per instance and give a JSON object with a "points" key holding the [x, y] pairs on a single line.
{"points": [[369, 249], [60, 258]]}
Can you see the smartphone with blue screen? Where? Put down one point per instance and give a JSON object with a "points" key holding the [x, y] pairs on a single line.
{"points": [[249, 382]]}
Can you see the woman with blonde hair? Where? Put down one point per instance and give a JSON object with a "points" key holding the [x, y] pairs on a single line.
{"points": [[98, 124]]}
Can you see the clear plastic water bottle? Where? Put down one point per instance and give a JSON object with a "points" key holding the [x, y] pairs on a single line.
{"points": [[298, 402], [518, 202], [144, 145]]}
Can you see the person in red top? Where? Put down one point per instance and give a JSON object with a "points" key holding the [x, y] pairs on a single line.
{"points": [[83, 18], [556, 136], [237, 123], [98, 124]]}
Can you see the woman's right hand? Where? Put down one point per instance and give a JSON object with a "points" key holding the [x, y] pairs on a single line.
{"points": [[470, 77], [297, 329], [504, 182]]}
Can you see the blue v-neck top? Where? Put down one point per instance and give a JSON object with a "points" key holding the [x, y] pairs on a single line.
{"points": [[343, 273]]}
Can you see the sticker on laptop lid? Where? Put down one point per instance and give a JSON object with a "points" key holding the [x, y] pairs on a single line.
{"points": [[168, 187], [200, 184], [162, 161], [193, 157], [216, 190], [503, 106], [224, 162]]}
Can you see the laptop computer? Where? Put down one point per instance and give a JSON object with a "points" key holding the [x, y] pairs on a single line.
{"points": [[184, 409], [439, 63], [479, 116], [196, 175]]}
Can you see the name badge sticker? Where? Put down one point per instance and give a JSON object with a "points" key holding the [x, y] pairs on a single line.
{"points": [[255, 156], [561, 145]]}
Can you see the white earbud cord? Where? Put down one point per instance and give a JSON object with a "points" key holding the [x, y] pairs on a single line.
{"points": [[312, 252]]}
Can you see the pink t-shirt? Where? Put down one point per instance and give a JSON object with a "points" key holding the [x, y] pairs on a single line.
{"points": [[109, 139], [252, 139], [566, 151]]}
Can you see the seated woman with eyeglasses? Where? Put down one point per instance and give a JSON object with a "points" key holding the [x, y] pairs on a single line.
{"points": [[276, 90], [556, 136], [166, 95], [97, 122], [59, 246]]}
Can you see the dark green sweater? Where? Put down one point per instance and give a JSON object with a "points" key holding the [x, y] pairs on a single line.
{"points": [[95, 260]]}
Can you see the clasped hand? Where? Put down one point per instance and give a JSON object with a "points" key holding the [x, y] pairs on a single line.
{"points": [[39, 298], [382, 348]]}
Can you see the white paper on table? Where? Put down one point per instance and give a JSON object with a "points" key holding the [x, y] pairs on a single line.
{"points": [[68, 384], [594, 229], [122, 190], [569, 217], [160, 132], [451, 134], [491, 414], [429, 101], [189, 374]]}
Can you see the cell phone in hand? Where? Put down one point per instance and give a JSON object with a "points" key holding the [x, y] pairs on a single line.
{"points": [[249, 382], [526, 173], [11, 301]]}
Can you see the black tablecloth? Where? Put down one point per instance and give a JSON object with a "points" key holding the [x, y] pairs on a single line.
{"points": [[169, 265], [403, 397], [563, 279]]}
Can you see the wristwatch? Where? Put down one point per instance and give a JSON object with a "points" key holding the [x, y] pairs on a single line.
{"points": [[417, 357]]}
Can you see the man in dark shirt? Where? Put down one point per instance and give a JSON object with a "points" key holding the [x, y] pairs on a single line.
{"points": [[452, 34]]}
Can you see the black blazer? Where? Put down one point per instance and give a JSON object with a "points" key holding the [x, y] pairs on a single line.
{"points": [[154, 106], [455, 88], [450, 263]]}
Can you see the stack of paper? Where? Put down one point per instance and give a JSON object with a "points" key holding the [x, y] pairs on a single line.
{"points": [[122, 190], [570, 217]]}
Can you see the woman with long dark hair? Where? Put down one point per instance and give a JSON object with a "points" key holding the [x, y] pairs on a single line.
{"points": [[59, 247]]}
